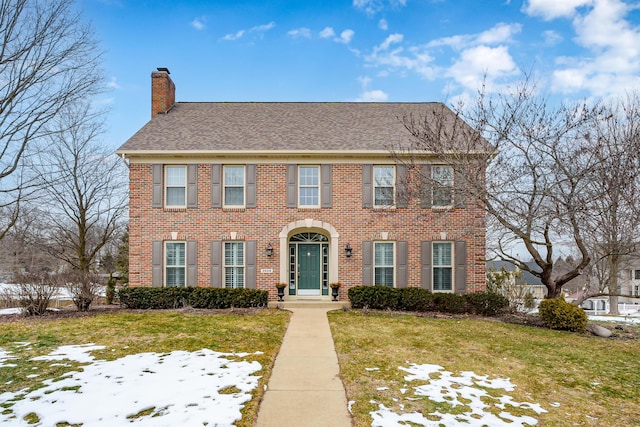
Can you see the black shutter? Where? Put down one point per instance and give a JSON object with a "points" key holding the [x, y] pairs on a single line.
{"points": [[251, 186], [250, 264], [156, 264], [192, 186], [216, 264], [426, 281], [425, 193], [461, 267], [402, 275], [216, 186], [459, 188], [192, 263], [402, 195], [292, 186], [367, 263], [367, 186], [156, 192], [326, 194]]}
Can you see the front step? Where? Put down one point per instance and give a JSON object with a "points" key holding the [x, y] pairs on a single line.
{"points": [[309, 303]]}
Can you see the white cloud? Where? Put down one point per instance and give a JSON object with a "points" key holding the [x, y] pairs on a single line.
{"points": [[500, 33], [615, 46], [112, 84], [372, 96], [481, 62], [262, 28], [383, 24], [371, 7], [346, 36], [198, 23], [327, 33], [551, 37], [551, 9], [300, 33], [391, 57], [233, 36]]}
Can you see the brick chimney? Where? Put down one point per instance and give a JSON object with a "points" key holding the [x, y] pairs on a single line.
{"points": [[163, 92]]}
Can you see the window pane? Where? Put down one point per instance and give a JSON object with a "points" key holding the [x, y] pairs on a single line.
{"points": [[384, 276], [234, 264], [234, 277], [309, 196], [175, 263], [442, 196], [309, 175], [176, 196], [383, 254], [176, 175], [384, 196], [383, 176], [637, 274], [442, 279], [234, 196], [175, 254], [442, 254], [234, 175], [442, 185]]}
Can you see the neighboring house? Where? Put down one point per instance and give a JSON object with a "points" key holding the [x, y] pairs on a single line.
{"points": [[229, 194], [530, 282], [629, 282]]}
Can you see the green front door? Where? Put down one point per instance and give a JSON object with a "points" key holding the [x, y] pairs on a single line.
{"points": [[308, 269]]}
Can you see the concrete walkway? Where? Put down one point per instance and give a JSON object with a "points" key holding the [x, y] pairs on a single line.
{"points": [[305, 389]]}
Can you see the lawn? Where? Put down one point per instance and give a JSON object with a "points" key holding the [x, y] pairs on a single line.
{"points": [[159, 334], [577, 379]]}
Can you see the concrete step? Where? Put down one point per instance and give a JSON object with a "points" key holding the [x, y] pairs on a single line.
{"points": [[309, 303]]}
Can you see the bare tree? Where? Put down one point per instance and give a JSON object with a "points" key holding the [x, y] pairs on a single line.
{"points": [[524, 162], [48, 59], [614, 188], [83, 184]]}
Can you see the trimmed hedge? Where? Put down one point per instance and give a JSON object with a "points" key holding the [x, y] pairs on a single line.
{"points": [[558, 314], [422, 300], [213, 298]]}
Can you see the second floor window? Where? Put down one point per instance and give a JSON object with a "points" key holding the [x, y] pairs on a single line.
{"points": [[636, 274], [442, 185], [234, 265], [234, 186], [383, 185], [309, 186], [175, 186], [175, 264]]}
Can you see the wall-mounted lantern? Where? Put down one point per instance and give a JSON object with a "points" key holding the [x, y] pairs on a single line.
{"points": [[348, 250], [269, 249]]}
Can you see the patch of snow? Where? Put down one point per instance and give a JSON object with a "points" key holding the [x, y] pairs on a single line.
{"points": [[5, 355], [350, 406], [466, 390], [76, 353], [371, 369], [180, 388], [622, 319], [11, 311]]}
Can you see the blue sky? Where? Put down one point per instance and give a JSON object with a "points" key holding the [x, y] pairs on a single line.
{"points": [[359, 50]]}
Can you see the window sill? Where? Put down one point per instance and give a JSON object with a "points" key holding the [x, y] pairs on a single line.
{"points": [[231, 209], [175, 209]]}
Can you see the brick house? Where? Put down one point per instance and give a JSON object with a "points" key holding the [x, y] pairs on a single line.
{"points": [[228, 194]]}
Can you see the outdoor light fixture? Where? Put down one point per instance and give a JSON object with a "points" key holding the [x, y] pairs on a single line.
{"points": [[269, 249], [348, 250]]}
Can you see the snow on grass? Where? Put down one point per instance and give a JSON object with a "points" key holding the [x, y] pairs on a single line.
{"points": [[631, 318], [467, 390], [179, 388]]}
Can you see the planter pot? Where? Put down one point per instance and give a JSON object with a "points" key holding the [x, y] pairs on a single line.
{"points": [[280, 294], [334, 293]]}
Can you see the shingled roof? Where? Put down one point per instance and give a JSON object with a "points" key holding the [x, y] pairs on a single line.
{"points": [[265, 126]]}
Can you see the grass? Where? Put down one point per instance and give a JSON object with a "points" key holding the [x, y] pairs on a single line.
{"points": [[132, 333], [594, 380]]}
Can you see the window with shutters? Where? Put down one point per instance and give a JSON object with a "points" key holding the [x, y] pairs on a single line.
{"points": [[442, 177], [383, 186], [442, 266], [175, 179], [636, 274], [383, 263], [309, 186], [234, 265], [175, 264], [234, 184]]}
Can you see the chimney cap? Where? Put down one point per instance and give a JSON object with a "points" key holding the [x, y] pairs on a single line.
{"points": [[166, 70]]}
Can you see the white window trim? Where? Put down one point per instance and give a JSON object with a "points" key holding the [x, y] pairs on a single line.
{"points": [[225, 266], [244, 187], [395, 260], [452, 266], [393, 189], [167, 186], [317, 186], [434, 185], [166, 266]]}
